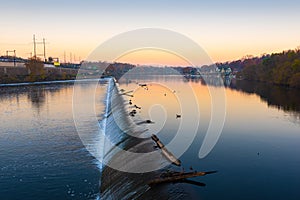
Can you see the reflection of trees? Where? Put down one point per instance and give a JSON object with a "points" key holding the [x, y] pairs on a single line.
{"points": [[37, 96], [217, 81], [281, 97]]}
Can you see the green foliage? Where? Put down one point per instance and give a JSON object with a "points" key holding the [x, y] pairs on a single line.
{"points": [[296, 66], [281, 68], [249, 72], [295, 80]]}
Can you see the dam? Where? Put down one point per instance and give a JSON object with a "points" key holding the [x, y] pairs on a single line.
{"points": [[126, 175]]}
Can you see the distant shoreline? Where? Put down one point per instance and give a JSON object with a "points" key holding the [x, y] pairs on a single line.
{"points": [[22, 75], [49, 82], [35, 83]]}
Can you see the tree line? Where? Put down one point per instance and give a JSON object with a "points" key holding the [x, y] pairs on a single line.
{"points": [[278, 68]]}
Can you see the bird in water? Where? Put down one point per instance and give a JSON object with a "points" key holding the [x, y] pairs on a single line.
{"points": [[143, 85], [137, 107], [132, 113]]}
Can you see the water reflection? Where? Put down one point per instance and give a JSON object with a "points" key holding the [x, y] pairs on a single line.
{"points": [[251, 142], [37, 96], [217, 81], [40, 148], [280, 97], [283, 98]]}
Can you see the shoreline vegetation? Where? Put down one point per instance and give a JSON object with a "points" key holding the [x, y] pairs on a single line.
{"points": [[34, 71], [277, 68]]}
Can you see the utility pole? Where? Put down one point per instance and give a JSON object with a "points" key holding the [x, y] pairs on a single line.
{"points": [[65, 56], [35, 43], [15, 55], [70, 57], [44, 43], [34, 47]]}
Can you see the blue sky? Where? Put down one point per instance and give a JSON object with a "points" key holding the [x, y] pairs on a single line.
{"points": [[227, 30]]}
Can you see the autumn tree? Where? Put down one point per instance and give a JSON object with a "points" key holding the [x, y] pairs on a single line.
{"points": [[35, 66]]}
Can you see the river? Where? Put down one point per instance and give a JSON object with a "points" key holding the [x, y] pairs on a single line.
{"points": [[256, 154]]}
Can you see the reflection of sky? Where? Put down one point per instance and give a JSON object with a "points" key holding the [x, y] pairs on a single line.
{"points": [[40, 147], [251, 127], [226, 29], [243, 111], [256, 155]]}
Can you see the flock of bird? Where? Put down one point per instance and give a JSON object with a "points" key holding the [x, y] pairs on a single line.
{"points": [[133, 112]]}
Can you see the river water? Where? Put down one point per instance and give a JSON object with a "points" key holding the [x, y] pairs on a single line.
{"points": [[41, 154], [256, 155]]}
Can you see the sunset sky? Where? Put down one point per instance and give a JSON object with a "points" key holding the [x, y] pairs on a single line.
{"points": [[227, 30]]}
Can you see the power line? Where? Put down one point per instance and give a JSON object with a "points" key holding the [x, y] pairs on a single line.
{"points": [[16, 44]]}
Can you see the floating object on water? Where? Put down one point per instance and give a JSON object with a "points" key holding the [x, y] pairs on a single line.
{"points": [[178, 176], [144, 86], [126, 93], [132, 113], [137, 107], [129, 95], [165, 152], [145, 122]]}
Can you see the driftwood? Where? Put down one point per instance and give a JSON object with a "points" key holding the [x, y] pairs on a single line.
{"points": [[177, 176], [165, 152]]}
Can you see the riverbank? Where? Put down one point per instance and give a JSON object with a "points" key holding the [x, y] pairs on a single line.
{"points": [[278, 68], [20, 74]]}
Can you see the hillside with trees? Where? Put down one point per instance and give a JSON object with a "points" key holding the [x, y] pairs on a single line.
{"points": [[278, 68]]}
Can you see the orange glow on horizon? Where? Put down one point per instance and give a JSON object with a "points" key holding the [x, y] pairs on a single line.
{"points": [[218, 51], [153, 57]]}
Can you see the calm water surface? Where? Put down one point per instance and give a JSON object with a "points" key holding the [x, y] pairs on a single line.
{"points": [[256, 156], [41, 154]]}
